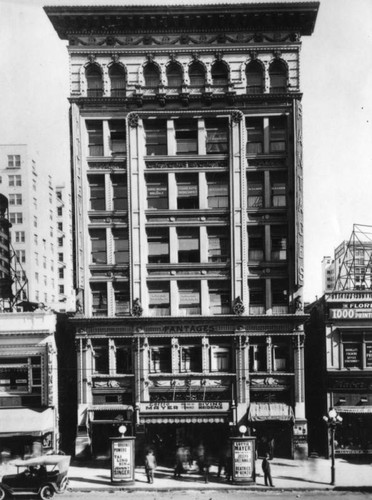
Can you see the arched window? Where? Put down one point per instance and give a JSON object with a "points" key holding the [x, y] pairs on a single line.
{"points": [[278, 77], [197, 75], [94, 81], [152, 76], [117, 78], [220, 75], [254, 75], [174, 76]]}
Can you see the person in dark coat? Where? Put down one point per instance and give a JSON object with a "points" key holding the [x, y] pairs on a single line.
{"points": [[266, 468]]}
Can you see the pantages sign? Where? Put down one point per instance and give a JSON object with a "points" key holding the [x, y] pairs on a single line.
{"points": [[350, 305]]}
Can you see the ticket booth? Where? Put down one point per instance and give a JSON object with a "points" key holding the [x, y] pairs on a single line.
{"points": [[243, 454]]}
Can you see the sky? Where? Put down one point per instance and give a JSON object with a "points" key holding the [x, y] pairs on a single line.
{"points": [[336, 81]]}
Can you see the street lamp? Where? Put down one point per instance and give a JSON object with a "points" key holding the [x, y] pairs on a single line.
{"points": [[332, 420]]}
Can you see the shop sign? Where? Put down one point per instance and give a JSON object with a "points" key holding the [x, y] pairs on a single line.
{"points": [[353, 384], [368, 355], [355, 297], [188, 328], [352, 355], [195, 407], [350, 313]]}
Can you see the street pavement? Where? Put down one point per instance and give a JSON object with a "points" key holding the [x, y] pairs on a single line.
{"points": [[311, 474]]}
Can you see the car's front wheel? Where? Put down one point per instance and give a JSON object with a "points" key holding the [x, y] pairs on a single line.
{"points": [[46, 492], [2, 493]]}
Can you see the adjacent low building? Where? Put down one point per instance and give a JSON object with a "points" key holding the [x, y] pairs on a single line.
{"points": [[28, 384]]}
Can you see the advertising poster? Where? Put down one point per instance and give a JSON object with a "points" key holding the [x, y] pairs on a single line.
{"points": [[122, 465]]}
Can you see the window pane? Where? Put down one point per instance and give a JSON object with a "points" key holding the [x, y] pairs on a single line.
{"points": [[121, 292], [279, 291], [117, 78], [197, 75], [94, 81], [157, 191], [219, 74], [190, 358], [120, 192], [158, 245], [189, 297], [256, 243], [95, 137], [174, 75], [278, 77], [117, 137], [121, 246], [156, 137], [218, 190], [254, 75], [98, 244], [188, 245], [278, 134], [257, 357], [159, 299], [99, 299], [255, 135], [97, 192], [151, 75], [160, 360], [278, 243], [187, 191], [256, 296], [219, 297], [278, 190], [101, 355], [217, 136], [255, 187], [218, 245], [186, 136]]}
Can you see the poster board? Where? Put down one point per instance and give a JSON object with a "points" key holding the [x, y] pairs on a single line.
{"points": [[122, 460], [243, 453]]}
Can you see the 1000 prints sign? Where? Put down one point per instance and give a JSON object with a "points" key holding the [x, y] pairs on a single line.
{"points": [[350, 314], [122, 460]]}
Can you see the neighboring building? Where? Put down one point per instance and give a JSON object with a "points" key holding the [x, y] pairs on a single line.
{"points": [[188, 217], [28, 384], [66, 292], [33, 217], [328, 274], [339, 369]]}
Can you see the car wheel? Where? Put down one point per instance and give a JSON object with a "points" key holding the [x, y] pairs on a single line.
{"points": [[46, 492], [2, 493]]}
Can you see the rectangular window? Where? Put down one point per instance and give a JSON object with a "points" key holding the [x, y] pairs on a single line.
{"points": [[100, 351], [219, 297], [189, 297], [95, 137], [278, 190], [14, 161], [186, 137], [123, 359], [220, 359], [159, 298], [256, 243], [218, 190], [258, 356], [15, 180], [279, 291], [60, 242], [217, 135], [60, 257], [255, 136], [21, 256], [44, 262], [97, 192], [160, 360], [218, 244], [99, 299], [121, 246], [36, 258], [190, 359], [120, 192], [255, 186], [158, 245], [256, 296], [98, 246], [156, 137], [16, 217], [278, 243], [61, 273], [59, 195], [278, 134], [59, 211], [121, 293], [157, 191], [61, 289], [20, 236], [187, 191], [60, 226], [15, 199], [117, 137], [188, 244], [281, 357]]}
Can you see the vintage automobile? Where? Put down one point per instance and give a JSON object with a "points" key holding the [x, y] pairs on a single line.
{"points": [[43, 476]]}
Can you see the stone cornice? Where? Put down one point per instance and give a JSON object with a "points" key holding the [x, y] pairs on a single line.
{"points": [[221, 18]]}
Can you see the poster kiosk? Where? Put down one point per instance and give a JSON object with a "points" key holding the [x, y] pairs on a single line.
{"points": [[122, 460], [243, 454]]}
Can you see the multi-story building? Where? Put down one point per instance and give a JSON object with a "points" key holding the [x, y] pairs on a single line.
{"points": [[33, 217], [66, 292], [28, 384], [188, 216]]}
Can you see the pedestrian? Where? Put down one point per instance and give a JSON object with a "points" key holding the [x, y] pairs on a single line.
{"points": [[150, 466], [180, 457], [266, 467]]}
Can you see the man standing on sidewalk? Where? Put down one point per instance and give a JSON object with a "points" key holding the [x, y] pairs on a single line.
{"points": [[150, 466], [266, 467]]}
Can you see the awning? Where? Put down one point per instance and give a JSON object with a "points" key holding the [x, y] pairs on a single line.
{"points": [[24, 421], [182, 420], [353, 409], [260, 412]]}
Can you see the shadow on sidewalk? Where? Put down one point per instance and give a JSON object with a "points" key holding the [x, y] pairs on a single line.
{"points": [[89, 480], [302, 479]]}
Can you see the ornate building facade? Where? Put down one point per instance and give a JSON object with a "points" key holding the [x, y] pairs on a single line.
{"points": [[188, 222]]}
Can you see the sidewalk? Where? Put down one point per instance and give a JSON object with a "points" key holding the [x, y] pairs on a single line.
{"points": [[287, 474], [311, 474]]}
